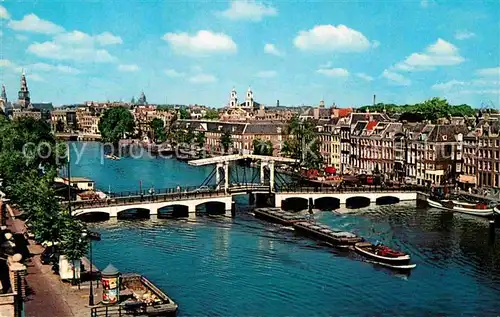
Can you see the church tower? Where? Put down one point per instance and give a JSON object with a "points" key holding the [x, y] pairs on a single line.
{"points": [[3, 99], [233, 100], [249, 99], [142, 99], [24, 94]]}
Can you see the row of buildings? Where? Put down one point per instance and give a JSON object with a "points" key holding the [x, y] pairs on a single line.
{"points": [[466, 151]]}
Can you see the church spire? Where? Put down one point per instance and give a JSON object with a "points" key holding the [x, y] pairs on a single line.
{"points": [[3, 96], [24, 94]]}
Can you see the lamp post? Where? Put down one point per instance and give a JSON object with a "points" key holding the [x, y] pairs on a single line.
{"points": [[91, 236]]}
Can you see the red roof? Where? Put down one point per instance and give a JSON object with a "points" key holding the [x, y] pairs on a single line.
{"points": [[371, 125], [344, 112]]}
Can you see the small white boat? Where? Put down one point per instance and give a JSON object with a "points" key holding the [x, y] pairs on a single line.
{"points": [[287, 228], [480, 210]]}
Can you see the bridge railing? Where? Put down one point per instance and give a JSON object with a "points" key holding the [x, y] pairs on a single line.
{"points": [[137, 197], [344, 189]]}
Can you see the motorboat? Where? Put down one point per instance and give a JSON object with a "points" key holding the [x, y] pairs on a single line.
{"points": [[496, 209], [112, 157], [475, 209], [385, 255]]}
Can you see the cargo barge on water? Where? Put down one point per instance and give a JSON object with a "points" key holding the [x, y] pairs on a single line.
{"points": [[276, 215], [326, 234]]}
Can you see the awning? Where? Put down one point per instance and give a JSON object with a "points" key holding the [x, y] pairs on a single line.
{"points": [[330, 170], [471, 179]]}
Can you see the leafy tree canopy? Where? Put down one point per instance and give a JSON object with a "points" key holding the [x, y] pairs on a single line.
{"points": [[226, 141], [211, 114], [261, 147], [432, 109], [158, 128], [116, 123]]}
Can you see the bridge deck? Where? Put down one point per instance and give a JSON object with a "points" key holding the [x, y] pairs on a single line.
{"points": [[236, 157]]}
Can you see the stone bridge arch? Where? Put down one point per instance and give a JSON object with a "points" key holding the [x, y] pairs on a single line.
{"points": [[295, 203], [327, 203], [133, 213], [91, 216], [211, 208], [387, 200], [357, 202], [177, 210]]}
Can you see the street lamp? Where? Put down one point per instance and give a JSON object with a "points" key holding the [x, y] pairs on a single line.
{"points": [[97, 237]]}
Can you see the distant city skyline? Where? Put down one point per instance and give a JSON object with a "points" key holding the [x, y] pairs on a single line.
{"points": [[196, 52]]}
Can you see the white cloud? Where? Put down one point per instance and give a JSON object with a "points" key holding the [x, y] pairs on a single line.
{"points": [[107, 38], [395, 78], [332, 38], [6, 63], [52, 68], [364, 76], [456, 84], [196, 69], [464, 35], [4, 14], [481, 92], [200, 43], [173, 73], [493, 71], [32, 23], [271, 49], [57, 51], [375, 44], [36, 77], [441, 53], [448, 85], [22, 38], [248, 10], [333, 72], [266, 74], [128, 68], [202, 79], [77, 46]]}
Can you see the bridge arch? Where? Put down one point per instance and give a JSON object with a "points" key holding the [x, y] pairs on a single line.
{"points": [[295, 204], [327, 203], [92, 216], [133, 213], [173, 211], [211, 208], [357, 202], [387, 200]]}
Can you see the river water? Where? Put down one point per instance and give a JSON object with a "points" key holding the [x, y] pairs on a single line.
{"points": [[216, 266]]}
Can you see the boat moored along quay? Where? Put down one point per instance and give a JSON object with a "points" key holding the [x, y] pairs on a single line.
{"points": [[277, 215], [326, 234]]}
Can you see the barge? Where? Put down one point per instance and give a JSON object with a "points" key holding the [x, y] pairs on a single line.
{"points": [[326, 234], [276, 215]]}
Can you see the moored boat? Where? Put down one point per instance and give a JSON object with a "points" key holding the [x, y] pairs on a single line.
{"points": [[475, 209], [383, 254], [496, 209]]}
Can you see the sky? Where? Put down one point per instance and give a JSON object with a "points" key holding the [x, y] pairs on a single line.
{"points": [[297, 52]]}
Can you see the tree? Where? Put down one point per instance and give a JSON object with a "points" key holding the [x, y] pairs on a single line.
{"points": [[74, 244], [184, 114], [302, 143], [261, 147], [158, 128], [211, 114], [116, 123], [226, 141], [200, 139]]}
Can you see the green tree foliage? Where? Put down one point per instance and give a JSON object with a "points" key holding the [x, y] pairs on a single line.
{"points": [[302, 143], [158, 130], [211, 114], [432, 109], [28, 179], [184, 114], [261, 147], [116, 123], [226, 141], [200, 139]]}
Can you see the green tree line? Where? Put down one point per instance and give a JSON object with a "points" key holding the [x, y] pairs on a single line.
{"points": [[29, 159]]}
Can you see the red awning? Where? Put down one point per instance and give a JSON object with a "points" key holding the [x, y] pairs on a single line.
{"points": [[330, 170]]}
